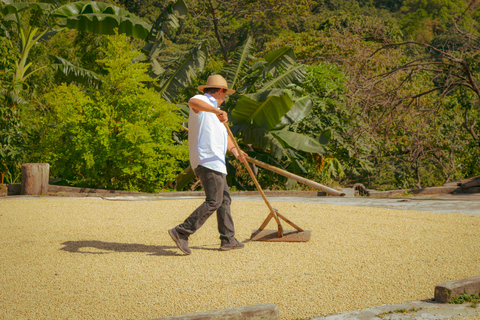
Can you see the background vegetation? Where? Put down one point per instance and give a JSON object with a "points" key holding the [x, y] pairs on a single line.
{"points": [[379, 92]]}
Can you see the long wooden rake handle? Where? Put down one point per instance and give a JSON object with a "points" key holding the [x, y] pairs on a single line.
{"points": [[287, 174], [273, 212]]}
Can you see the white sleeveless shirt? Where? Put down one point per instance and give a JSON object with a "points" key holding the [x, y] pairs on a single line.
{"points": [[207, 138]]}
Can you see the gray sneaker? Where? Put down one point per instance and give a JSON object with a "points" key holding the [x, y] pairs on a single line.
{"points": [[182, 244], [232, 244]]}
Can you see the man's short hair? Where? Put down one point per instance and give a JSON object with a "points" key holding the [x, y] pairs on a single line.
{"points": [[211, 90]]}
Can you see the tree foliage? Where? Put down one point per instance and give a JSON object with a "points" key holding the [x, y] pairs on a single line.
{"points": [[382, 92], [117, 137], [384, 131], [425, 19], [13, 134]]}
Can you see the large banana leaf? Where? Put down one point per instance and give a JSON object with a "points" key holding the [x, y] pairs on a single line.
{"points": [[87, 7], [294, 73], [264, 109], [262, 139], [300, 109], [14, 8], [283, 58], [97, 17], [100, 18], [299, 141]]}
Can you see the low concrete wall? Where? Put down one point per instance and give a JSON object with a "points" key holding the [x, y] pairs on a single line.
{"points": [[54, 190], [267, 311], [444, 292], [14, 189], [424, 191]]}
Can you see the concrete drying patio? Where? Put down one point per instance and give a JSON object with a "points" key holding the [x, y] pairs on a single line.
{"points": [[90, 258]]}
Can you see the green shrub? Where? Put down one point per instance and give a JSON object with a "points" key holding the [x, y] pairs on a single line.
{"points": [[14, 130], [117, 137]]}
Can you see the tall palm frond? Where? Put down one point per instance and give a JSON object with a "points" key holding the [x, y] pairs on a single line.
{"points": [[283, 58], [75, 73], [235, 70]]}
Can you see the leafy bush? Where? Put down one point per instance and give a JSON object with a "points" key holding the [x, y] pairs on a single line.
{"points": [[13, 129], [117, 137]]}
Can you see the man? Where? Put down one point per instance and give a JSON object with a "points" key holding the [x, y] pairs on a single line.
{"points": [[208, 143]]}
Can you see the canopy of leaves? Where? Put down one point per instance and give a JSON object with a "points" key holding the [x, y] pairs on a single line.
{"points": [[118, 137], [350, 116], [425, 19]]}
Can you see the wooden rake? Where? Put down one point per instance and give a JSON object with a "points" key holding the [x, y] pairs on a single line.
{"points": [[297, 235]]}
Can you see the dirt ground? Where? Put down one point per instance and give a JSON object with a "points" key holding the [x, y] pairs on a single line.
{"points": [[89, 258]]}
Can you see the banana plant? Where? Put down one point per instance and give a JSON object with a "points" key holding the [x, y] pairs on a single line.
{"points": [[266, 105], [46, 19], [101, 18], [177, 73], [180, 73]]}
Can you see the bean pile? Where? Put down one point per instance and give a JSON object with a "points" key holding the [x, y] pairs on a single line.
{"points": [[88, 258]]}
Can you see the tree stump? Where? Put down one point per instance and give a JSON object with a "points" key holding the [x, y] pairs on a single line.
{"points": [[35, 178]]}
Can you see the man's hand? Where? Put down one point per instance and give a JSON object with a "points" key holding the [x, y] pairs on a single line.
{"points": [[222, 116], [239, 154]]}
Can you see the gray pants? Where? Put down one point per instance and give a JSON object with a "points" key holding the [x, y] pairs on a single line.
{"points": [[217, 198]]}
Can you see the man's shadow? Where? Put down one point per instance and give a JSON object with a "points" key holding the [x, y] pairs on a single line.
{"points": [[107, 247]]}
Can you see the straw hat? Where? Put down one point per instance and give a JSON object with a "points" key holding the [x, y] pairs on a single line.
{"points": [[216, 81]]}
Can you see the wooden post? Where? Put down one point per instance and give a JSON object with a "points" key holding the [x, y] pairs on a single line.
{"points": [[35, 178]]}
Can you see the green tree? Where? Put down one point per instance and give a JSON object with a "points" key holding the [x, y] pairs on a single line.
{"points": [[326, 85], [26, 25], [116, 137], [341, 52], [45, 19], [425, 19], [29, 25], [231, 22], [13, 134]]}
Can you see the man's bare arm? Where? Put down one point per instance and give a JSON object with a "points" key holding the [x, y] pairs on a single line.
{"points": [[198, 105], [239, 154]]}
